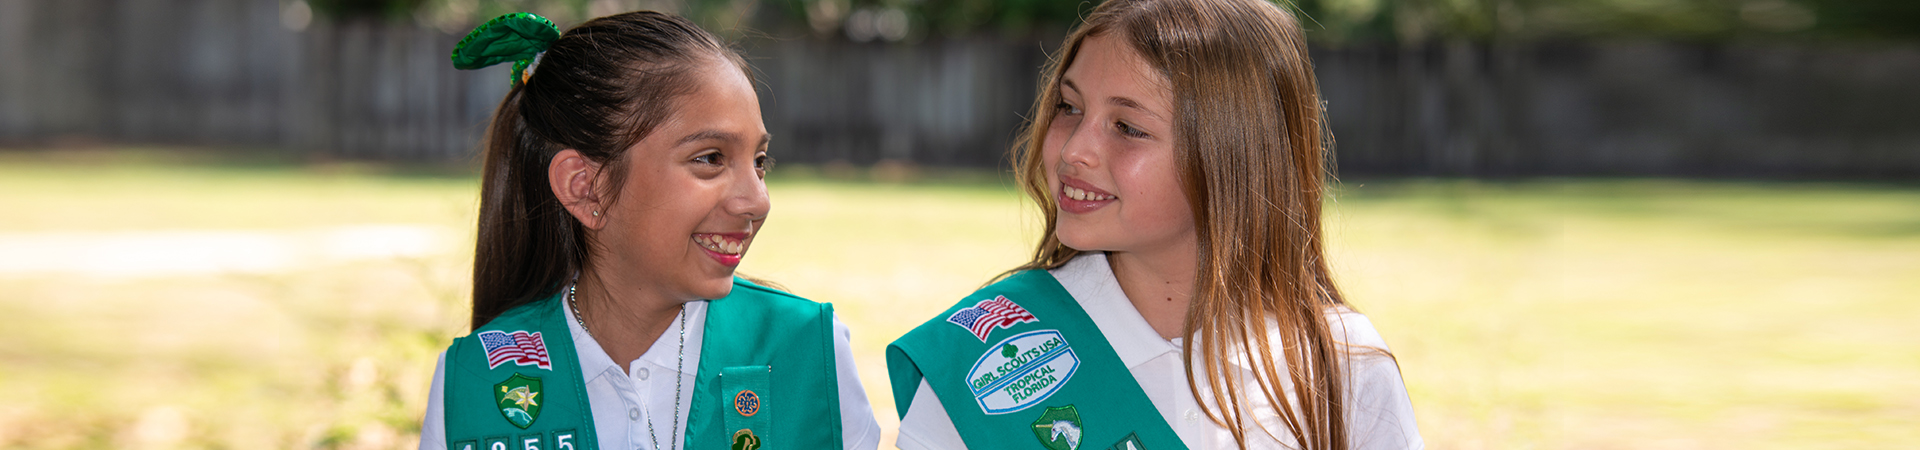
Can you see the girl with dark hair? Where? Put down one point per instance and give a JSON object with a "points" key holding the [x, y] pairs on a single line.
{"points": [[623, 182], [1180, 296]]}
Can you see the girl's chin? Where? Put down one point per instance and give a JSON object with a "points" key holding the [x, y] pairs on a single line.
{"points": [[1079, 241], [715, 292], [708, 286]]}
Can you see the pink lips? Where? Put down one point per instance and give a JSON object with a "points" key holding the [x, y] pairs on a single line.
{"points": [[1071, 205], [723, 241]]}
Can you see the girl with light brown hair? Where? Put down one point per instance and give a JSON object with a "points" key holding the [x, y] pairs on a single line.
{"points": [[1180, 296]]}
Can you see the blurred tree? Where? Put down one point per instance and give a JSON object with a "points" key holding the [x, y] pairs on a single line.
{"points": [[1421, 20], [458, 16], [366, 8], [1331, 21], [1899, 19], [954, 17], [895, 20]]}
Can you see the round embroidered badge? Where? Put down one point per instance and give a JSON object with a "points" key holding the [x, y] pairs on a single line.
{"points": [[746, 403]]}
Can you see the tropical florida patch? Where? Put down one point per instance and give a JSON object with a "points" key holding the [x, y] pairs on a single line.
{"points": [[1021, 371]]}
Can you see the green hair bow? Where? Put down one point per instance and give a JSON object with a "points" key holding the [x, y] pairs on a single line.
{"points": [[517, 37]]}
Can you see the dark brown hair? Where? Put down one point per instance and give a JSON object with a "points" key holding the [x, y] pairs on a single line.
{"points": [[601, 88], [1251, 157]]}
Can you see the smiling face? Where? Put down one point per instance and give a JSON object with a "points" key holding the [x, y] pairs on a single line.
{"points": [[694, 194], [1109, 155]]}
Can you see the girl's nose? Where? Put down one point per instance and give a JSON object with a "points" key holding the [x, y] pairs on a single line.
{"points": [[749, 199], [1079, 150]]}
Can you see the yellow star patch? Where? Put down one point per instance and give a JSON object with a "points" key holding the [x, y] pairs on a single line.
{"points": [[521, 396]]}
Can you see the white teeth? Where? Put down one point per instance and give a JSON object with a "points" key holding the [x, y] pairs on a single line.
{"points": [[1082, 194], [720, 244]]}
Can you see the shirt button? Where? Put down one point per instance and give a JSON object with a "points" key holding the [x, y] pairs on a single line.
{"points": [[633, 413], [643, 374], [1192, 416]]}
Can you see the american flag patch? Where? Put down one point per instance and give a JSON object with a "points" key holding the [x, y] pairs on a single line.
{"points": [[982, 318], [520, 347]]}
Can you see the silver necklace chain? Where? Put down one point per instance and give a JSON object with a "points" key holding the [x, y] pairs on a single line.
{"points": [[680, 363]]}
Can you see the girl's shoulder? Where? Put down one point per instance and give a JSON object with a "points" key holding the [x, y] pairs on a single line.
{"points": [[761, 294], [1353, 329]]}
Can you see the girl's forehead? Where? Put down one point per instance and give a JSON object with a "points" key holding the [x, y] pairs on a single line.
{"points": [[1105, 66]]}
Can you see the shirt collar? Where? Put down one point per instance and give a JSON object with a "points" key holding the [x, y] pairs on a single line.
{"points": [[1090, 280], [666, 351], [594, 361]]}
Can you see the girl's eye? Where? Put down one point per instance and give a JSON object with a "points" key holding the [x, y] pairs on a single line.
{"points": [[1067, 109], [711, 158], [1129, 130], [763, 163]]}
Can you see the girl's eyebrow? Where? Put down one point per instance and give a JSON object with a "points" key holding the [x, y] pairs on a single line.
{"points": [[708, 135], [1130, 103], [717, 135], [1123, 102]]}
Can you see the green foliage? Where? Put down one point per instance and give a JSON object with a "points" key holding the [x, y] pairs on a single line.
{"points": [[458, 16], [1899, 19], [1484, 20], [1333, 21], [366, 8], [954, 17]]}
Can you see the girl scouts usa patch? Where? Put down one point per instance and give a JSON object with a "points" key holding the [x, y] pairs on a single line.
{"points": [[1021, 371]]}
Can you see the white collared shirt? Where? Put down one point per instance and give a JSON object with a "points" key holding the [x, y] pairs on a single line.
{"points": [[626, 403], [1380, 415]]}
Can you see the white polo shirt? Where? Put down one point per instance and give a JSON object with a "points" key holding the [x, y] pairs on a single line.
{"points": [[1380, 415], [625, 402]]}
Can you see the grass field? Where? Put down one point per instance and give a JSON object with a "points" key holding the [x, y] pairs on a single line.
{"points": [[167, 301]]}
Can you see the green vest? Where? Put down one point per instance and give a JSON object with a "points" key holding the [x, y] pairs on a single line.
{"points": [[536, 398], [1018, 364]]}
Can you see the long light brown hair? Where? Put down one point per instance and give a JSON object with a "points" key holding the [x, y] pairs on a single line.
{"points": [[1251, 155]]}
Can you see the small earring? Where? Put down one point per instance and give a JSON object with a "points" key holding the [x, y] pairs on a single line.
{"points": [[596, 213]]}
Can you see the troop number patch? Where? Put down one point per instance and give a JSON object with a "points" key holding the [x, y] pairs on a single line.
{"points": [[1021, 371]]}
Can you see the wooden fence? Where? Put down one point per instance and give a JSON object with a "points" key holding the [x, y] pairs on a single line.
{"points": [[229, 72]]}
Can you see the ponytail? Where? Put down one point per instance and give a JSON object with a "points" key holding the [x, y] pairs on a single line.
{"points": [[528, 244]]}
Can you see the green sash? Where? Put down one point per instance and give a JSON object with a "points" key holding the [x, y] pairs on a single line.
{"points": [[766, 377], [1019, 364]]}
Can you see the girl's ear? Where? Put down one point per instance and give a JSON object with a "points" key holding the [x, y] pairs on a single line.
{"points": [[573, 178]]}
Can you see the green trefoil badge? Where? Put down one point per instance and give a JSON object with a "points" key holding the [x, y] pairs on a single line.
{"points": [[1058, 428], [1131, 442], [518, 399]]}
